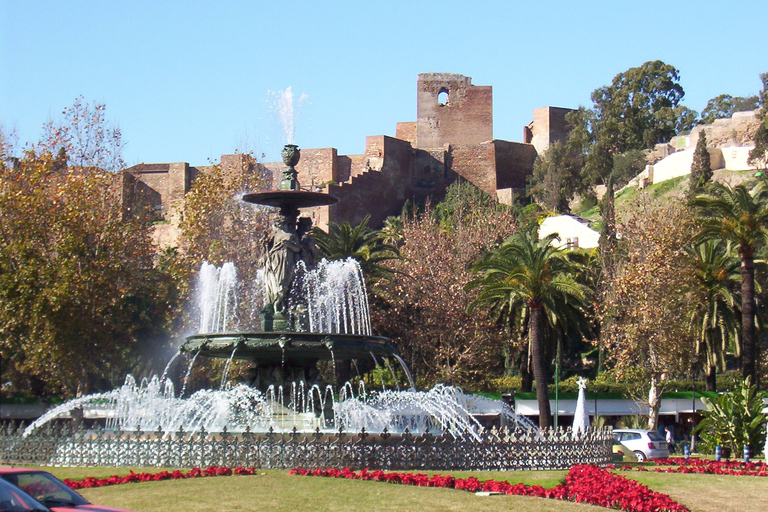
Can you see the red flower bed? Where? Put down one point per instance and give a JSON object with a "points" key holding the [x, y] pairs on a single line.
{"points": [[89, 482], [583, 484], [707, 467]]}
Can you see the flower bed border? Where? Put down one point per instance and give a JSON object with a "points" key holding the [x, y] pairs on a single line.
{"points": [[584, 483], [705, 467]]}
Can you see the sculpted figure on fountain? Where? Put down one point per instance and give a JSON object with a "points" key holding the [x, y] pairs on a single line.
{"points": [[282, 254]]}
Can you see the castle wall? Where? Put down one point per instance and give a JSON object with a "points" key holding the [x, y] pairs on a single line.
{"points": [[514, 163], [477, 164], [452, 137], [466, 118], [381, 189], [406, 132], [548, 126], [316, 167]]}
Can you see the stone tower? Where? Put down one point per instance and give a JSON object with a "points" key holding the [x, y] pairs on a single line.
{"points": [[450, 110]]}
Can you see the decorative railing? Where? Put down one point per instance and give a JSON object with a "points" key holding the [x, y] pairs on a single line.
{"points": [[495, 450]]}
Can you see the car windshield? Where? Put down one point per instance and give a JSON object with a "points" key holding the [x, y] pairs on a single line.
{"points": [[46, 488], [13, 499], [655, 436]]}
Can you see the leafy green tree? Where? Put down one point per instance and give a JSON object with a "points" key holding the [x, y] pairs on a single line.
{"points": [[701, 168], [735, 419], [738, 215], [627, 165], [528, 274], [76, 279], [638, 110], [725, 105], [555, 179], [714, 315], [360, 242], [759, 155]]}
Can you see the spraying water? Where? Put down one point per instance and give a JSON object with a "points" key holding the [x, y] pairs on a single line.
{"points": [[217, 297], [336, 298], [286, 110]]}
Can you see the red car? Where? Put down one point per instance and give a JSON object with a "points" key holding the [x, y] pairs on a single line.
{"points": [[49, 491]]}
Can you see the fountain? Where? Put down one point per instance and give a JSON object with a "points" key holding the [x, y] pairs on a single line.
{"points": [[313, 312], [293, 335]]}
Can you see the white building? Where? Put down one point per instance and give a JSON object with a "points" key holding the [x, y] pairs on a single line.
{"points": [[573, 233]]}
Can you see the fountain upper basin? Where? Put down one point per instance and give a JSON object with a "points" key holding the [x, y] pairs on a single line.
{"points": [[291, 198], [279, 346]]}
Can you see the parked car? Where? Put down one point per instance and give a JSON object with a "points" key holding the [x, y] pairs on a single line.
{"points": [[13, 499], [49, 491], [621, 453], [645, 444]]}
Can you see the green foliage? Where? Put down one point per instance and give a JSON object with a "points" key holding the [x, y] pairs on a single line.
{"points": [[638, 110], [715, 306], [725, 105], [738, 215], [360, 242], [633, 421], [423, 307], [555, 179], [627, 165], [759, 155], [532, 286], [735, 419], [76, 278], [701, 171]]}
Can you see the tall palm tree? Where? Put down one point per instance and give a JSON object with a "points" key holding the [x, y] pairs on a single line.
{"points": [[738, 215], [525, 273], [714, 319], [364, 244]]}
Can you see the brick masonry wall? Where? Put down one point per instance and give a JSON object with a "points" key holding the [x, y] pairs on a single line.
{"points": [[316, 167], [514, 163], [549, 126], [476, 164], [382, 189], [406, 132], [465, 119]]}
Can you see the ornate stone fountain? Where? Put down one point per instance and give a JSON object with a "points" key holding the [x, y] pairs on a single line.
{"points": [[284, 352]]}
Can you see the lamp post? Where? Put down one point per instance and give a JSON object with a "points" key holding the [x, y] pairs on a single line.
{"points": [[694, 360], [557, 382]]}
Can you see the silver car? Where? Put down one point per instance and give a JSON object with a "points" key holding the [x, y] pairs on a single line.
{"points": [[646, 444]]}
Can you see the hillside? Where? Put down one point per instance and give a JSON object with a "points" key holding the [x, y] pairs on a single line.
{"points": [[673, 188]]}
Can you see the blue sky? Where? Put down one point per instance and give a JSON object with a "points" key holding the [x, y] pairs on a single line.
{"points": [[191, 80]]}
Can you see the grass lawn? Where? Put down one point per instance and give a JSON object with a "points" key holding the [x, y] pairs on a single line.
{"points": [[273, 490]]}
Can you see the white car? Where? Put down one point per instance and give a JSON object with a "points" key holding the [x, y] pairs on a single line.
{"points": [[645, 444]]}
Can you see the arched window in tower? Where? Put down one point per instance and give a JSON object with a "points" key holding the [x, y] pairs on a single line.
{"points": [[442, 97]]}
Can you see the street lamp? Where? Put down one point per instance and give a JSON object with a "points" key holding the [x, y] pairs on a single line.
{"points": [[557, 382], [694, 360]]}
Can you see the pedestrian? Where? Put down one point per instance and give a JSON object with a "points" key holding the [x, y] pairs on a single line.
{"points": [[670, 439]]}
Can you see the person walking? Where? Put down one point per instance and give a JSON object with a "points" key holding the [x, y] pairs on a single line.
{"points": [[670, 438]]}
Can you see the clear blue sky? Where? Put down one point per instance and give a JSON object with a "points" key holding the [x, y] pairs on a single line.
{"points": [[190, 80]]}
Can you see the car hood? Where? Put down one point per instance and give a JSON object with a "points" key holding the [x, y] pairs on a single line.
{"points": [[91, 508]]}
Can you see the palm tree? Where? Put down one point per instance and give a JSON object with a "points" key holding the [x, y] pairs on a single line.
{"points": [[360, 242], [529, 278], [738, 215], [714, 319]]}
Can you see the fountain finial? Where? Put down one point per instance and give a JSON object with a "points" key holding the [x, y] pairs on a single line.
{"points": [[291, 155]]}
